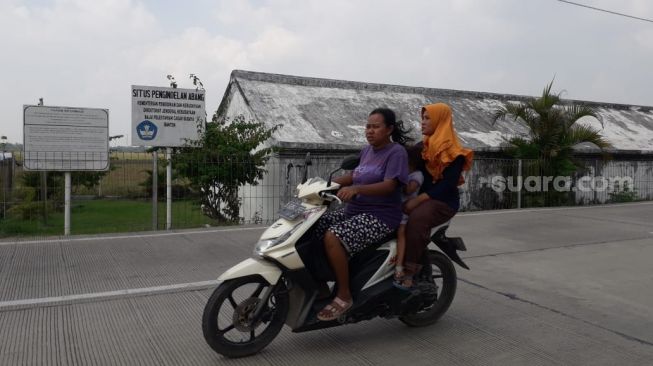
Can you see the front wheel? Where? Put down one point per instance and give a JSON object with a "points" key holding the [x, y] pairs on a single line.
{"points": [[230, 324], [439, 271]]}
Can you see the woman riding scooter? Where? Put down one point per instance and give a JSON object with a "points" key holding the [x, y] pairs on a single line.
{"points": [[373, 196], [277, 285]]}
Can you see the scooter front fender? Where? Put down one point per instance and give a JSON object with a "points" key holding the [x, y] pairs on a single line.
{"points": [[253, 266]]}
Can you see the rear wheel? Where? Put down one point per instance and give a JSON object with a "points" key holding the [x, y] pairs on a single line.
{"points": [[229, 323], [441, 272]]}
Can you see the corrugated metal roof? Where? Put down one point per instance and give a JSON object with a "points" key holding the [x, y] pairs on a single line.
{"points": [[323, 112]]}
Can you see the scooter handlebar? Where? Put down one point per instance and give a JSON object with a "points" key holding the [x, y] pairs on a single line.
{"points": [[330, 196]]}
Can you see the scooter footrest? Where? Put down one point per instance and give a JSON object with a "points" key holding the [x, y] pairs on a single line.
{"points": [[458, 243]]}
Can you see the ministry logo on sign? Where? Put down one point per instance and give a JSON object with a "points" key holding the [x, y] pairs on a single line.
{"points": [[146, 130]]}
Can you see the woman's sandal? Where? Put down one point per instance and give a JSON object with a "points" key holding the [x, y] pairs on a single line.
{"points": [[334, 310], [404, 276], [403, 282]]}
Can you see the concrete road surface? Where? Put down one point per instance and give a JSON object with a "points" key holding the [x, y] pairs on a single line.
{"points": [[567, 286]]}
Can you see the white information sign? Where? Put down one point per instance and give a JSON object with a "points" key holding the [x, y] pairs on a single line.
{"points": [[65, 138], [166, 117]]}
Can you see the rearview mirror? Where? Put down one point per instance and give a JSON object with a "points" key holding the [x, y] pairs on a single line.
{"points": [[307, 163], [350, 162]]}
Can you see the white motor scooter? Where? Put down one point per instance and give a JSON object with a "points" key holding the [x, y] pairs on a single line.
{"points": [[280, 283]]}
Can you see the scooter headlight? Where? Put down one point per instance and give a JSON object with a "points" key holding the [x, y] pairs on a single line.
{"points": [[265, 244]]}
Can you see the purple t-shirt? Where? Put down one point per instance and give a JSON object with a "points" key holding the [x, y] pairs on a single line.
{"points": [[388, 162]]}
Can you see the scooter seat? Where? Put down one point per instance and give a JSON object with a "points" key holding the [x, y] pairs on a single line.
{"points": [[385, 239], [363, 259]]}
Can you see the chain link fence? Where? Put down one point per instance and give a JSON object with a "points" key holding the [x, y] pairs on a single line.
{"points": [[120, 199]]}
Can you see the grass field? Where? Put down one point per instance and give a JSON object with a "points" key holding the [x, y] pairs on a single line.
{"points": [[108, 216], [124, 204], [125, 178]]}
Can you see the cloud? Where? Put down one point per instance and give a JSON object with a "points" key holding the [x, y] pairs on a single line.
{"points": [[274, 44], [64, 52], [88, 53]]}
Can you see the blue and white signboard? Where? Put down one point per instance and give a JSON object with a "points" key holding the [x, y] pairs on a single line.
{"points": [[166, 117]]}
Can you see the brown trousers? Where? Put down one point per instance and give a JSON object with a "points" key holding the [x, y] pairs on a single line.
{"points": [[424, 217]]}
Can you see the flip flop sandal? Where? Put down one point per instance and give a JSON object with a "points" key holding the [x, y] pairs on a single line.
{"points": [[334, 310], [400, 283]]}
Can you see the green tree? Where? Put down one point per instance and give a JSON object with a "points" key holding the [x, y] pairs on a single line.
{"points": [[227, 155], [553, 130]]}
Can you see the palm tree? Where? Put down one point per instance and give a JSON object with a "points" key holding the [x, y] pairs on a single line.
{"points": [[553, 129]]}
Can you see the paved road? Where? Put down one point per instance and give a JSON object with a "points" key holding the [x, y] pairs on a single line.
{"points": [[567, 286]]}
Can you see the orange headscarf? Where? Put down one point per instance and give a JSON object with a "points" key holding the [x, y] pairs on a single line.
{"points": [[443, 146]]}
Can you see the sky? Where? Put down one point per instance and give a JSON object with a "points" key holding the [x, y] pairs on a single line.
{"points": [[81, 53]]}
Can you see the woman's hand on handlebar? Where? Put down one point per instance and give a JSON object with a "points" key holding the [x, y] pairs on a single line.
{"points": [[344, 180], [346, 194]]}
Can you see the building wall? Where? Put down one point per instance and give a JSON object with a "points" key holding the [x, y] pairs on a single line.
{"points": [[261, 202], [616, 181]]}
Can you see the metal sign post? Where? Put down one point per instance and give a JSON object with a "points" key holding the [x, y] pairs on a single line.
{"points": [[520, 180], [67, 187], [44, 187], [169, 189], [155, 190]]}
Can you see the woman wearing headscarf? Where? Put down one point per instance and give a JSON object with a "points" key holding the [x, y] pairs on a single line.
{"points": [[444, 160]]}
